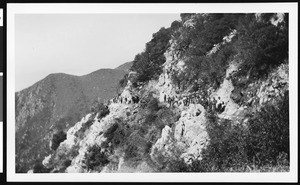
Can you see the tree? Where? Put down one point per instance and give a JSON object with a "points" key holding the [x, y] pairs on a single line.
{"points": [[148, 64], [260, 45]]}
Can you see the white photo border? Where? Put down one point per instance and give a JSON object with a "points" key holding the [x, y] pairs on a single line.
{"points": [[291, 8]]}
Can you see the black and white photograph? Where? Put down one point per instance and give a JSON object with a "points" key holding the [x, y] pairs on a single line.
{"points": [[152, 92]]}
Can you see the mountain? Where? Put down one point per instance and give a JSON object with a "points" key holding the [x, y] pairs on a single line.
{"points": [[208, 94], [125, 67], [56, 103]]}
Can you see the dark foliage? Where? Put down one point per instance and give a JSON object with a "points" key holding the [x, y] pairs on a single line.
{"points": [[148, 63], [96, 158], [227, 147], [67, 163], [100, 108], [269, 131], [153, 104], [261, 45], [131, 152], [117, 133], [57, 138]]}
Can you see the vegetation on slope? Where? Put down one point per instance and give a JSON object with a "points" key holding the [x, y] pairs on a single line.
{"points": [[259, 144], [259, 45]]}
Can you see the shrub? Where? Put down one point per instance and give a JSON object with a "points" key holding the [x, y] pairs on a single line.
{"points": [[117, 133], [67, 163], [261, 45], [153, 104], [74, 151], [148, 63], [103, 111], [150, 118], [96, 158], [269, 131], [227, 147], [57, 138], [131, 152], [262, 143], [100, 108]]}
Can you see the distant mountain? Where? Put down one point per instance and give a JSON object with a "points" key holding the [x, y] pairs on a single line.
{"points": [[56, 103], [125, 67]]}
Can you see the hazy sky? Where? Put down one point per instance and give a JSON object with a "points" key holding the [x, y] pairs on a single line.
{"points": [[79, 44]]}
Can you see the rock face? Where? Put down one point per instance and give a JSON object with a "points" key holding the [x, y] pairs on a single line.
{"points": [[187, 136], [181, 136], [56, 103]]}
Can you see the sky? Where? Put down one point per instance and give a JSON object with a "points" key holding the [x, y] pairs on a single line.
{"points": [[79, 44]]}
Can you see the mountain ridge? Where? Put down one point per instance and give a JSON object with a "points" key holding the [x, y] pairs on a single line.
{"points": [[123, 67], [59, 100]]}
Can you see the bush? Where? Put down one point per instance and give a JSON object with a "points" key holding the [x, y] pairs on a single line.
{"points": [[262, 143], [100, 108], [150, 118], [269, 131], [131, 152], [67, 163], [148, 63], [57, 138], [153, 104], [96, 158], [261, 45], [227, 147], [117, 133]]}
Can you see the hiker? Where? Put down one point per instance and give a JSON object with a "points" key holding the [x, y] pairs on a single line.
{"points": [[169, 101], [222, 107]]}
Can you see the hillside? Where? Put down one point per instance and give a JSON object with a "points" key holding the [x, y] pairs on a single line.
{"points": [[56, 103], [125, 67], [208, 94]]}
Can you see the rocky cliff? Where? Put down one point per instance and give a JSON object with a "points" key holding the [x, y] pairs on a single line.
{"points": [[210, 102]]}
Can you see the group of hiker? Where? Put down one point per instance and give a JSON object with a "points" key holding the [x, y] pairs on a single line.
{"points": [[194, 98], [218, 107], [185, 100], [126, 100], [177, 100]]}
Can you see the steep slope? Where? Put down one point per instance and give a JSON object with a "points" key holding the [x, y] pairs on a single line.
{"points": [[56, 103], [206, 95]]}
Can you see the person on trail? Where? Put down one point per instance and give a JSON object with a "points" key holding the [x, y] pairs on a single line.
{"points": [[169, 101], [223, 107], [218, 109]]}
